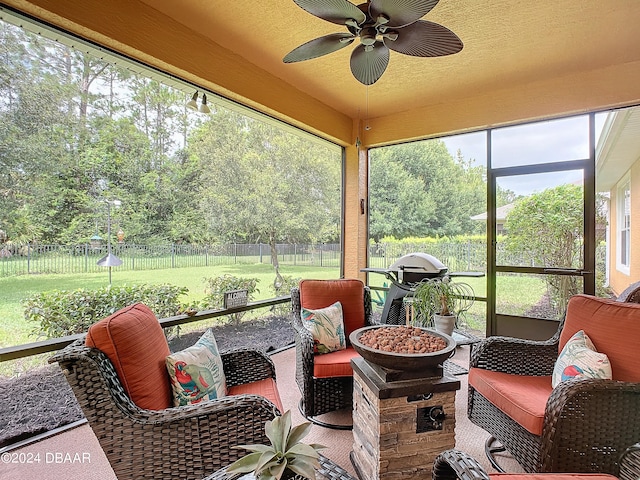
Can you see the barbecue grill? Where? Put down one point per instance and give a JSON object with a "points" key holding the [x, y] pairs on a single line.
{"points": [[404, 274]]}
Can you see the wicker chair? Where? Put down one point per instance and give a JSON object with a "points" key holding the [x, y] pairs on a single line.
{"points": [[456, 465], [188, 442], [630, 294], [321, 395], [586, 423]]}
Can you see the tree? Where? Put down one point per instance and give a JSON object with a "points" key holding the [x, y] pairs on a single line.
{"points": [[419, 189], [549, 227], [262, 183]]}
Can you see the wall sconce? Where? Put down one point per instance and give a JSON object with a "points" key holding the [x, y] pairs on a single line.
{"points": [[193, 103]]}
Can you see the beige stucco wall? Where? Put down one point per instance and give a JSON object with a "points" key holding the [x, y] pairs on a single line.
{"points": [[619, 280]]}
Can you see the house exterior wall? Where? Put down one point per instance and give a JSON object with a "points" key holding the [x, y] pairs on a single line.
{"points": [[619, 280]]}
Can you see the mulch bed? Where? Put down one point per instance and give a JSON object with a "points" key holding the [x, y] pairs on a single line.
{"points": [[42, 400]]}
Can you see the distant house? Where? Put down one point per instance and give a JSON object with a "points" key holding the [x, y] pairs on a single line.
{"points": [[501, 217], [618, 178]]}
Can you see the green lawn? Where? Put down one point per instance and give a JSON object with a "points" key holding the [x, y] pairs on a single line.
{"points": [[15, 330]]}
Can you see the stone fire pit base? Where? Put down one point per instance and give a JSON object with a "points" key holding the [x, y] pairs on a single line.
{"points": [[400, 427]]}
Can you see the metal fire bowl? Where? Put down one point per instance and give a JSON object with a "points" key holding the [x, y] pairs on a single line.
{"points": [[402, 361]]}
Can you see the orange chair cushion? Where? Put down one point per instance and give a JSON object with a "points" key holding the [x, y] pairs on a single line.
{"points": [[551, 476], [523, 398], [334, 364], [134, 341], [614, 329], [265, 388], [315, 294]]}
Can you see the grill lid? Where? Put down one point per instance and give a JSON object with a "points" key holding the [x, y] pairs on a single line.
{"points": [[419, 263]]}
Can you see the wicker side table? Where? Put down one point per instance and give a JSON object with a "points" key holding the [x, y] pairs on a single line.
{"points": [[328, 470]]}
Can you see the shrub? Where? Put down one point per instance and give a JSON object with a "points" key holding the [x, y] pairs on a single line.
{"points": [[215, 287], [283, 287], [62, 312]]}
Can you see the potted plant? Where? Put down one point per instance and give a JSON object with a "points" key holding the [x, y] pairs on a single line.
{"points": [[440, 302], [285, 458]]}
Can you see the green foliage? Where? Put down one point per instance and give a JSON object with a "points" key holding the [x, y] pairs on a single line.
{"points": [[458, 253], [442, 297], [421, 189], [282, 286], [215, 287], [286, 452], [264, 184], [549, 227], [63, 312]]}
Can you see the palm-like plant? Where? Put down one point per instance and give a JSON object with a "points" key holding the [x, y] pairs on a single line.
{"points": [[285, 457], [443, 297]]}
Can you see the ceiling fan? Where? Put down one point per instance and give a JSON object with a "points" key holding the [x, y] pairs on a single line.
{"points": [[381, 25]]}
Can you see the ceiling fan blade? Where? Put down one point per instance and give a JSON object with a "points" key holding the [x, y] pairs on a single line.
{"points": [[368, 66], [335, 11], [319, 47], [401, 12], [425, 39]]}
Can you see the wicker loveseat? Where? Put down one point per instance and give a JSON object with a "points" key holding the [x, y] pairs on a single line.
{"points": [[326, 381], [581, 425], [186, 442]]}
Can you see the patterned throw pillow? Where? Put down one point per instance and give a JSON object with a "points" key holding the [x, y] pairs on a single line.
{"points": [[327, 327], [579, 359], [196, 373]]}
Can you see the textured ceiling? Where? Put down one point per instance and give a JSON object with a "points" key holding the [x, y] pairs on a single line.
{"points": [[506, 42]]}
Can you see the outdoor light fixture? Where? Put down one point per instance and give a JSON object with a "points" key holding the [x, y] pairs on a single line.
{"points": [[193, 103], [110, 260], [203, 106]]}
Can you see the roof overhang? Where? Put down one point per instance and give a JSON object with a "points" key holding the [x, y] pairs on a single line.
{"points": [[618, 147]]}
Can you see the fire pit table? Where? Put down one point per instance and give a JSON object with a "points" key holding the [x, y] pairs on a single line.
{"points": [[403, 410]]}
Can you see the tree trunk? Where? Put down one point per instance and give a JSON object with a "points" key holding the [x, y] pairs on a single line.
{"points": [[274, 252]]}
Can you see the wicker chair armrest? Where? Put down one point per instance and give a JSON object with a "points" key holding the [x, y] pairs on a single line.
{"points": [[630, 463], [453, 464], [515, 355], [597, 417], [73, 351], [303, 337], [231, 406], [368, 309], [586, 399], [246, 365]]}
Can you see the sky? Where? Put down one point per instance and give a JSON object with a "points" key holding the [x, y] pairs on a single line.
{"points": [[543, 142]]}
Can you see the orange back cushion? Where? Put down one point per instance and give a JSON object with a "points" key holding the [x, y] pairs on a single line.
{"points": [[134, 341], [614, 329], [316, 294]]}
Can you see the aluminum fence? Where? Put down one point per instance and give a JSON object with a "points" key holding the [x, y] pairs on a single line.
{"points": [[65, 259]]}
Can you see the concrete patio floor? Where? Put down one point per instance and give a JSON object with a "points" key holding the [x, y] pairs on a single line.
{"points": [[77, 455]]}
